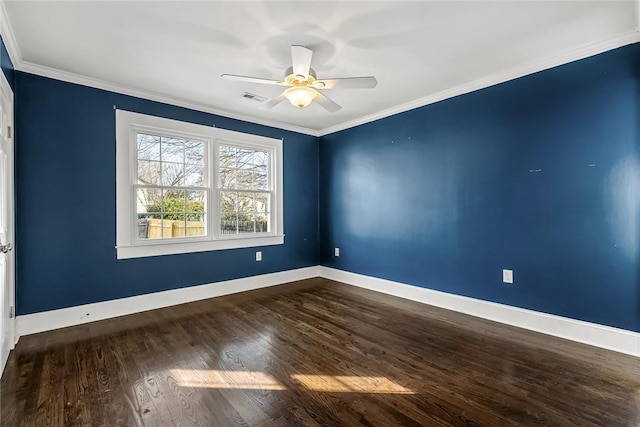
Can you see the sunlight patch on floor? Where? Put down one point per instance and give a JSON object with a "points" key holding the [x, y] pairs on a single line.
{"points": [[350, 384], [210, 378], [255, 380]]}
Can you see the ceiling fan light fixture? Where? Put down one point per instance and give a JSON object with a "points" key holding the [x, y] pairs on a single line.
{"points": [[302, 83], [300, 96]]}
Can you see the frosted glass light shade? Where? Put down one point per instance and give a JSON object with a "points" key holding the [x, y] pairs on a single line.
{"points": [[300, 96]]}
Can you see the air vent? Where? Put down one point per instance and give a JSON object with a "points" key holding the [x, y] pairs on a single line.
{"points": [[254, 97]]}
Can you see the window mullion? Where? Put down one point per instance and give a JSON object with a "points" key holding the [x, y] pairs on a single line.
{"points": [[212, 182]]}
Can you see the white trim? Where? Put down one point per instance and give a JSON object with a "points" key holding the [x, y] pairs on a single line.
{"points": [[127, 244], [497, 78], [9, 340], [78, 315], [607, 337]]}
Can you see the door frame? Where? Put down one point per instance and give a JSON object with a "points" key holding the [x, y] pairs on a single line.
{"points": [[5, 89]]}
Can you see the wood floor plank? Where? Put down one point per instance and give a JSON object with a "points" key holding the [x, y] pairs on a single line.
{"points": [[312, 353]]}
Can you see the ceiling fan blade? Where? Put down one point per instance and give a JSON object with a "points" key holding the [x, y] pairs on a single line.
{"points": [[253, 80], [347, 83], [301, 60], [327, 103], [273, 102]]}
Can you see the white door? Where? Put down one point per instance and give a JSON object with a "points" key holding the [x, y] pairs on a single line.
{"points": [[7, 264]]}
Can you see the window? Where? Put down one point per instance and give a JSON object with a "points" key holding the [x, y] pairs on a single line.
{"points": [[244, 190], [183, 187], [171, 186]]}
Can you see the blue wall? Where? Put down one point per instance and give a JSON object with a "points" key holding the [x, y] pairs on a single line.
{"points": [[540, 175], [6, 64], [65, 184]]}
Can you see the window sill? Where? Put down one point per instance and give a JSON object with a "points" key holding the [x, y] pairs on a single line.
{"points": [[147, 250]]}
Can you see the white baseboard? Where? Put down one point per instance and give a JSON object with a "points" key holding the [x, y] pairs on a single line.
{"points": [[55, 319], [607, 337]]}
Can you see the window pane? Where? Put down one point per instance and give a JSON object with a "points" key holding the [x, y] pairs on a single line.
{"points": [[188, 228], [149, 226], [246, 224], [243, 168], [260, 158], [149, 200], [262, 223], [262, 203], [227, 156], [244, 179], [246, 213], [196, 228], [195, 205], [172, 150], [173, 174], [228, 202], [228, 178], [228, 212], [194, 176], [197, 195], [262, 215], [228, 224], [174, 205], [244, 158], [148, 172], [246, 202], [194, 152], [156, 228], [167, 213], [178, 228], [148, 147], [260, 178]]}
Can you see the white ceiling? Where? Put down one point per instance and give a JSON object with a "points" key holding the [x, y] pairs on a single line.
{"points": [[420, 52]]}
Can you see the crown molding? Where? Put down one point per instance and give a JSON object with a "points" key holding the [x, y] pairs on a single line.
{"points": [[8, 36], [501, 77]]}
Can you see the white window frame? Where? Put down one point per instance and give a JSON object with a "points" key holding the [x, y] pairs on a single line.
{"points": [[128, 124]]}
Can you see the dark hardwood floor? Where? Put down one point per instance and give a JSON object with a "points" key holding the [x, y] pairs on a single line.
{"points": [[314, 352]]}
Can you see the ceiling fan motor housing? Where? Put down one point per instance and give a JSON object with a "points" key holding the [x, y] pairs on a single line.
{"points": [[289, 71]]}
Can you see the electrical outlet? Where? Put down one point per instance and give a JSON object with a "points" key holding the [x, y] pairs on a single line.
{"points": [[259, 256], [336, 251], [507, 276]]}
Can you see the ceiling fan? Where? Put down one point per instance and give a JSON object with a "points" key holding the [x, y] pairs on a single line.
{"points": [[303, 85]]}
